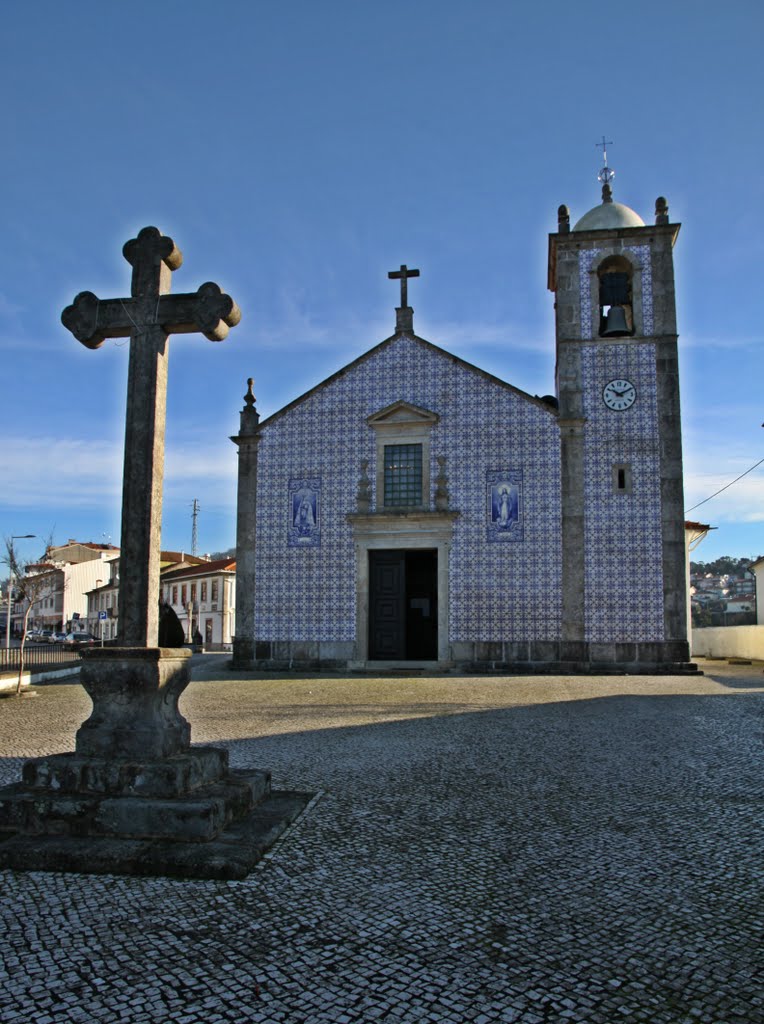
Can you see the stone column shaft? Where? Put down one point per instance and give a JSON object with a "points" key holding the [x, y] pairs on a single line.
{"points": [[142, 489], [247, 442]]}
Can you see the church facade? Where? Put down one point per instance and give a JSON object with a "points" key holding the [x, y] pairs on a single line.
{"points": [[413, 509]]}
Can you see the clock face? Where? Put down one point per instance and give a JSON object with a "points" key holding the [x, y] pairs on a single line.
{"points": [[619, 395]]}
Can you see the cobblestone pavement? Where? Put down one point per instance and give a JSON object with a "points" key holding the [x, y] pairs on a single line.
{"points": [[529, 849]]}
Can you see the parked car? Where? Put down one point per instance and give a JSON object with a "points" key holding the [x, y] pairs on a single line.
{"points": [[58, 638], [44, 637], [79, 640]]}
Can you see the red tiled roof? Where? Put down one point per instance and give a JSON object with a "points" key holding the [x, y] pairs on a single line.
{"points": [[84, 544], [181, 556], [206, 569]]}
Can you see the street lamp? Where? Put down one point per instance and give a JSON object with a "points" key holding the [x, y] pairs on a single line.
{"points": [[15, 536], [98, 606]]}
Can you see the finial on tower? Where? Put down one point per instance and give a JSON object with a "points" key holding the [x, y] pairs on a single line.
{"points": [[249, 417], [661, 211], [563, 220], [606, 174]]}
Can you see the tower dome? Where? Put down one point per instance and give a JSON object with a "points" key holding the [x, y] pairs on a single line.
{"points": [[609, 215]]}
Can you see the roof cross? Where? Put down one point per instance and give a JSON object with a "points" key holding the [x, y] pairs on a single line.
{"points": [[404, 274], [404, 314]]}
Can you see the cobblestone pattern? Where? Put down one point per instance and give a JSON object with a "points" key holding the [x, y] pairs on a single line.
{"points": [[489, 850]]}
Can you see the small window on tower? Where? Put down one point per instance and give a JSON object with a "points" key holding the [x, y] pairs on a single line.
{"points": [[622, 483], [615, 297]]}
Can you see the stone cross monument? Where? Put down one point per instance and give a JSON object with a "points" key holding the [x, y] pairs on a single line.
{"points": [[134, 797], [147, 318]]}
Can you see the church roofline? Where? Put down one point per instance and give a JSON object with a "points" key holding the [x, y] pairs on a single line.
{"points": [[421, 341]]}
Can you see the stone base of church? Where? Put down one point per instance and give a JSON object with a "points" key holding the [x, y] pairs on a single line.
{"points": [[521, 657], [575, 657], [243, 652], [303, 656]]}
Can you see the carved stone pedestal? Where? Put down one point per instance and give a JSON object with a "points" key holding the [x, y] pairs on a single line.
{"points": [[134, 797]]}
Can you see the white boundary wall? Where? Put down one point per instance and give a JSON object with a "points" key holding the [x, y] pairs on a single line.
{"points": [[729, 642]]}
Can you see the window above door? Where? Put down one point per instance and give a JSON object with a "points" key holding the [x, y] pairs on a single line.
{"points": [[403, 455]]}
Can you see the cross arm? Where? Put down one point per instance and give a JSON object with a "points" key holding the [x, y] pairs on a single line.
{"points": [[208, 310], [91, 320]]}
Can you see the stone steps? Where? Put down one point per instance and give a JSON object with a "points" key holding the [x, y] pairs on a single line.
{"points": [[193, 817]]}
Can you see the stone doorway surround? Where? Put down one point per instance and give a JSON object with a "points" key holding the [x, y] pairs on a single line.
{"points": [[376, 531]]}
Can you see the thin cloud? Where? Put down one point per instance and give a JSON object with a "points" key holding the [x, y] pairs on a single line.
{"points": [[508, 337], [299, 330], [728, 342], [743, 502], [52, 471], [8, 308], [79, 473]]}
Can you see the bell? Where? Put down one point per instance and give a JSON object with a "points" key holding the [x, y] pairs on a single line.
{"points": [[615, 325]]}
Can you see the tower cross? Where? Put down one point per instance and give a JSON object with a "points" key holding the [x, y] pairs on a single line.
{"points": [[147, 317], [603, 146], [606, 175], [404, 274]]}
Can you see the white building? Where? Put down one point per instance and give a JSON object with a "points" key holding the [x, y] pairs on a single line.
{"points": [[103, 599], [68, 572], [757, 568], [203, 598]]}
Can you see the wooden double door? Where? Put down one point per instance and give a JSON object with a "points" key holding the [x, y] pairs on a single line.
{"points": [[403, 612]]}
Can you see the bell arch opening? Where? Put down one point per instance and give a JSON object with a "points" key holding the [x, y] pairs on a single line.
{"points": [[616, 300]]}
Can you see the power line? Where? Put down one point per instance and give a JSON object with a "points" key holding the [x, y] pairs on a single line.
{"points": [[725, 486]]}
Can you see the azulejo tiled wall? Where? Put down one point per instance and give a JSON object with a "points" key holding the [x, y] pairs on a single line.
{"points": [[497, 591], [624, 584]]}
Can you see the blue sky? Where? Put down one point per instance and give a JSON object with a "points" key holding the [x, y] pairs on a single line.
{"points": [[297, 152]]}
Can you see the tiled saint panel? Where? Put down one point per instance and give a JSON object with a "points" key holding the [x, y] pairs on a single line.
{"points": [[497, 591], [624, 582]]}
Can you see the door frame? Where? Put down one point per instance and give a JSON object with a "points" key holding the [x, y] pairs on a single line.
{"points": [[399, 558], [382, 530]]}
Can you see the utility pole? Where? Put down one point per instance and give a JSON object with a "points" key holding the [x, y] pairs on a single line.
{"points": [[194, 514]]}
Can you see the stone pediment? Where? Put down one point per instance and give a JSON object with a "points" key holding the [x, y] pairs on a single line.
{"points": [[403, 413]]}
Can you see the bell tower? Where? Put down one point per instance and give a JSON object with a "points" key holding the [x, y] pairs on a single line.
{"points": [[623, 556]]}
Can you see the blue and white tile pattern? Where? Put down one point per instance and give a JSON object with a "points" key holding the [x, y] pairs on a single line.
{"points": [[624, 583], [497, 591]]}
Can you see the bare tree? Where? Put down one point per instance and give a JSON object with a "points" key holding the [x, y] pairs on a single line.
{"points": [[30, 587]]}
